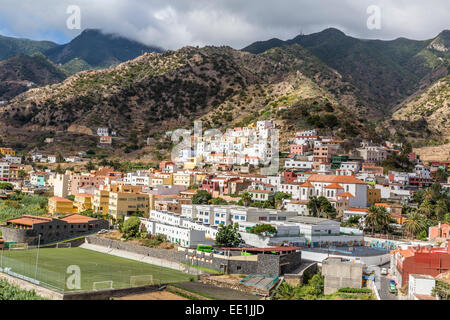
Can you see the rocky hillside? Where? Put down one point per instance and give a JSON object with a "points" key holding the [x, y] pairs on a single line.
{"points": [[385, 72], [222, 86], [431, 107], [22, 72]]}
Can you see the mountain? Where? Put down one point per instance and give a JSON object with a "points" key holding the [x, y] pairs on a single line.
{"points": [[385, 72], [10, 47], [22, 72], [429, 108], [221, 86], [98, 50]]}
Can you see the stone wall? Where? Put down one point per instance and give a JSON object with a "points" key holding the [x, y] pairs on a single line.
{"points": [[171, 255], [268, 264], [16, 235]]}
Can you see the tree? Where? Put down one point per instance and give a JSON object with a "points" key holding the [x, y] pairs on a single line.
{"points": [[228, 236], [317, 283], [59, 169], [414, 223], [280, 196], [138, 213], [218, 201], [201, 197], [263, 228], [440, 175], [246, 198], [6, 186], [321, 207], [426, 208], [377, 218], [131, 227], [90, 166], [268, 205]]}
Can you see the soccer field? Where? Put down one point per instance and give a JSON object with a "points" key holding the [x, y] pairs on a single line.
{"points": [[53, 264]]}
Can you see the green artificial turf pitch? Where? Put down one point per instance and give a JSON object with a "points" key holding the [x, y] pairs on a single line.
{"points": [[94, 266]]}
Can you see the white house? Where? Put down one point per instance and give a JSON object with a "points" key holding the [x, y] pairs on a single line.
{"points": [[102, 132], [420, 286]]}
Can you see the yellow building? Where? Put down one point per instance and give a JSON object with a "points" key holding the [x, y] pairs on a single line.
{"points": [[126, 203], [101, 197], [183, 179], [60, 206], [7, 151], [373, 196], [191, 163], [14, 171], [162, 179], [101, 201], [83, 202]]}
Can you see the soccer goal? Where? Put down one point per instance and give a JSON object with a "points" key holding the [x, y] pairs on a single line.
{"points": [[64, 245], [18, 246], [102, 285], [141, 280]]}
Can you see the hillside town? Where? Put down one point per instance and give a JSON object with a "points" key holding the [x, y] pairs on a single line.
{"points": [[370, 217]]}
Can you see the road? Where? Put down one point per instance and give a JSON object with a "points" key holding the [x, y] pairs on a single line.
{"points": [[383, 285]]}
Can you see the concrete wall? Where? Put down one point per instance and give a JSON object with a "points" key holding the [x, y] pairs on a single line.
{"points": [[341, 274], [368, 260], [295, 279]]}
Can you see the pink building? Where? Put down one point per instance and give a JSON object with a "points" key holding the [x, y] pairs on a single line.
{"points": [[299, 148], [439, 231]]}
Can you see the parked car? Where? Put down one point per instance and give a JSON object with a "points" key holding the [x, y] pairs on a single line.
{"points": [[102, 231], [393, 289], [384, 271]]}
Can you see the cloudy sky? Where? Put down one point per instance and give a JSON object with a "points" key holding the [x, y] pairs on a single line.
{"points": [[172, 24]]}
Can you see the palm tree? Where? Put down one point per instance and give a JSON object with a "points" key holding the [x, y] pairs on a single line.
{"points": [[284, 292], [440, 209], [377, 217], [414, 223], [246, 198], [383, 219], [370, 221], [426, 208]]}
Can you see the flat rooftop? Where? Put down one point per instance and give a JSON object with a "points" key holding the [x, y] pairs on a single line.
{"points": [[307, 220]]}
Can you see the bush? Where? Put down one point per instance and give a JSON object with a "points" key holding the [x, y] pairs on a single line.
{"points": [[131, 227], [355, 290]]}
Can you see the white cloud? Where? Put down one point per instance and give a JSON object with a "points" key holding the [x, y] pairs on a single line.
{"points": [[176, 23]]}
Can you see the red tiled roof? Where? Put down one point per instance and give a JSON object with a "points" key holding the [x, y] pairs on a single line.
{"points": [[346, 194], [77, 218], [334, 186], [358, 209], [29, 220], [334, 179], [307, 184], [381, 205]]}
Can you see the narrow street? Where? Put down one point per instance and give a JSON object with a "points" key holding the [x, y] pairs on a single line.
{"points": [[383, 285]]}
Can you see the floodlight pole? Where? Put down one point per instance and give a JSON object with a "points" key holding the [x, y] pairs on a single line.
{"points": [[37, 258]]}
